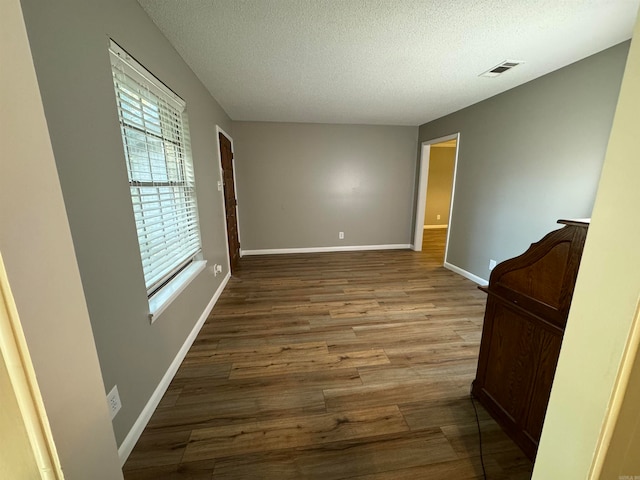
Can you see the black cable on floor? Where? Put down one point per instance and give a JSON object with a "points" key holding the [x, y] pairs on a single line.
{"points": [[484, 472]]}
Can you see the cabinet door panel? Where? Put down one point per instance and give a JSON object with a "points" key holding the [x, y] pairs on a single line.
{"points": [[511, 354], [548, 352]]}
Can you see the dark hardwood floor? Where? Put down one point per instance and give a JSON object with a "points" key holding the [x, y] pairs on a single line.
{"points": [[330, 366]]}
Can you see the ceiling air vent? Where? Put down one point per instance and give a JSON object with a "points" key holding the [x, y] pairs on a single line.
{"points": [[501, 68]]}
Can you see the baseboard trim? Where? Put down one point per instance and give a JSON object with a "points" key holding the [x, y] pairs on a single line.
{"points": [[136, 430], [430, 227], [464, 273], [352, 248]]}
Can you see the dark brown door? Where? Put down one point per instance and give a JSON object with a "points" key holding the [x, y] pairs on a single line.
{"points": [[230, 200]]}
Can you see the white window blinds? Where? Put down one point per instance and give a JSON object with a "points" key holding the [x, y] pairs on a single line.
{"points": [[156, 142]]}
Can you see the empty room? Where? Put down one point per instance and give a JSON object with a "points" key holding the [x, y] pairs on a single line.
{"points": [[303, 239]]}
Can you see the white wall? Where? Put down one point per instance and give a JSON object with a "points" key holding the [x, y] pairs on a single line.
{"points": [[40, 262]]}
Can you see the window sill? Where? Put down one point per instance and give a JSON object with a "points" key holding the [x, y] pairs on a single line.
{"points": [[161, 300]]}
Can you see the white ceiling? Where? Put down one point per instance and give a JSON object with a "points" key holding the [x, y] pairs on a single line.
{"points": [[393, 62]]}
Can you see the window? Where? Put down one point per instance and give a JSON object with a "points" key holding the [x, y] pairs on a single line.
{"points": [[155, 135]]}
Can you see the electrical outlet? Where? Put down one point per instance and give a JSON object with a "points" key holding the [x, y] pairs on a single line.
{"points": [[437, 217], [341, 235], [215, 269], [492, 264], [113, 400]]}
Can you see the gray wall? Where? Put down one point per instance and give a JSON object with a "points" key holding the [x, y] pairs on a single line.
{"points": [[69, 41], [528, 157], [300, 184], [44, 282], [439, 185]]}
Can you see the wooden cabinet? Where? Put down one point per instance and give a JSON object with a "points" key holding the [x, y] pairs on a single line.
{"points": [[527, 307]]}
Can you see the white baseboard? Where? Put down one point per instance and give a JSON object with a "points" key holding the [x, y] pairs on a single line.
{"points": [[353, 248], [136, 430], [464, 273], [429, 227]]}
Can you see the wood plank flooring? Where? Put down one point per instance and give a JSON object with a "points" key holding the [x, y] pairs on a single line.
{"points": [[331, 366]]}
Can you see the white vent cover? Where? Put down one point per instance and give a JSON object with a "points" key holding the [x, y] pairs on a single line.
{"points": [[501, 68]]}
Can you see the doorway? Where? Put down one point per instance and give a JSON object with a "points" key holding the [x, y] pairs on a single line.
{"points": [[436, 186], [225, 147]]}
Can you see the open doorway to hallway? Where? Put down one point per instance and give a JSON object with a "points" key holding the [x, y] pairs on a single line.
{"points": [[442, 161], [435, 196]]}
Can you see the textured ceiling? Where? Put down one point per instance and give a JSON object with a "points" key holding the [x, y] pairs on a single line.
{"points": [[394, 62]]}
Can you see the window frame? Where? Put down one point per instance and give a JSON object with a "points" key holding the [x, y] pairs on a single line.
{"points": [[161, 179]]}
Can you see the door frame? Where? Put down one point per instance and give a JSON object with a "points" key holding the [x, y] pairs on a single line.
{"points": [[24, 384], [221, 190], [421, 198]]}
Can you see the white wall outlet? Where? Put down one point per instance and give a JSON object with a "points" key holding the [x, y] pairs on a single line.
{"points": [[492, 264], [216, 269], [341, 235], [437, 217], [113, 400], [219, 185]]}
